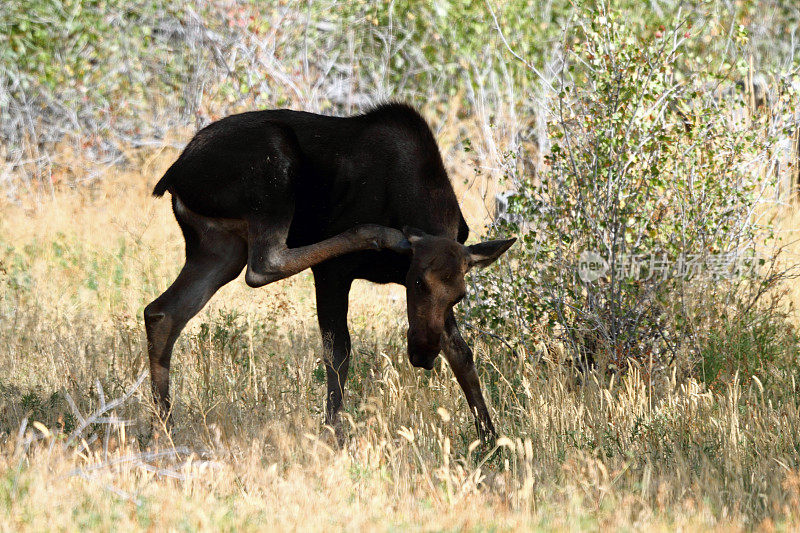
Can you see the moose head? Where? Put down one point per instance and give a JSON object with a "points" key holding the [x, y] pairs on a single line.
{"points": [[435, 283]]}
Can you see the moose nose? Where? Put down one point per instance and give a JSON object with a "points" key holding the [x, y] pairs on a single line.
{"points": [[423, 349], [422, 359]]}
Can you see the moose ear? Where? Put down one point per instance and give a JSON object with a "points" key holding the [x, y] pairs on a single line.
{"points": [[485, 253], [413, 235]]}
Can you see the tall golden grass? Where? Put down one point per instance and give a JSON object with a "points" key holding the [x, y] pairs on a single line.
{"points": [[248, 451]]}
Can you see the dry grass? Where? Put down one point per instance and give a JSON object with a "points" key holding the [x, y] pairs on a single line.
{"points": [[248, 450]]}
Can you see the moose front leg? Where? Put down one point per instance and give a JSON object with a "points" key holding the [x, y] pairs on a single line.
{"points": [[459, 356], [332, 304]]}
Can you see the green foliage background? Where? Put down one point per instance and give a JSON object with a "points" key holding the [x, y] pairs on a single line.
{"points": [[102, 69]]}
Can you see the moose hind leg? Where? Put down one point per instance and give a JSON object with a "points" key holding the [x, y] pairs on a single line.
{"points": [[210, 263], [269, 259]]}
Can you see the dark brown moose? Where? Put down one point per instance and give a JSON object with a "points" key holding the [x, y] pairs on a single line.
{"points": [[281, 191]]}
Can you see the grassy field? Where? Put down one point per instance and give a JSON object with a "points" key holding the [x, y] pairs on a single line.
{"points": [[248, 450]]}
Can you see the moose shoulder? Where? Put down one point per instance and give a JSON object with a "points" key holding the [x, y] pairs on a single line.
{"points": [[281, 191]]}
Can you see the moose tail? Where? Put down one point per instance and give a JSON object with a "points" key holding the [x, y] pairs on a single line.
{"points": [[163, 184]]}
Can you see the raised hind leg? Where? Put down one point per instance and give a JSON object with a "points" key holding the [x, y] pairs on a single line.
{"points": [[214, 257], [269, 259]]}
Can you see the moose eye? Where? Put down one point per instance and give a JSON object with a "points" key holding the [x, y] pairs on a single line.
{"points": [[420, 283]]}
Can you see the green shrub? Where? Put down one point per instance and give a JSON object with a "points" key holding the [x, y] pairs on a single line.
{"points": [[757, 343], [656, 173]]}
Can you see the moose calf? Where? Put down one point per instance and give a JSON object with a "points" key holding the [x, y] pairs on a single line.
{"points": [[280, 191]]}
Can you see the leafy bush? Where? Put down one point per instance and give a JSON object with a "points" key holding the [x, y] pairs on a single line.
{"points": [[645, 220]]}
